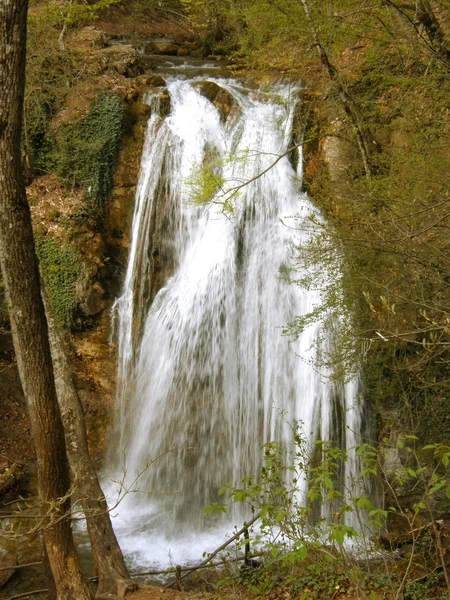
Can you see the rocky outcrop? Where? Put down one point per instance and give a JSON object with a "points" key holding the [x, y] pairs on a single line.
{"points": [[338, 153], [303, 128], [154, 80], [9, 477], [6, 560], [122, 59], [165, 47], [218, 96]]}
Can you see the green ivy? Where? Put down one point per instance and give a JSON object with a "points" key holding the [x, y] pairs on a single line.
{"points": [[60, 268], [89, 147]]}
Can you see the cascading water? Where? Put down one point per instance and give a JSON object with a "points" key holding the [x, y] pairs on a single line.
{"points": [[205, 369]]}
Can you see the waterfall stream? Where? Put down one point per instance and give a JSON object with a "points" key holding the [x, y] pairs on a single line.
{"points": [[205, 376]]}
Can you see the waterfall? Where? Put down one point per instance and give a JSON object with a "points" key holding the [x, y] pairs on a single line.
{"points": [[205, 376]]}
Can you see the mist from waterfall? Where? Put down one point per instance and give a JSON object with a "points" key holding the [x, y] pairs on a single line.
{"points": [[205, 376]]}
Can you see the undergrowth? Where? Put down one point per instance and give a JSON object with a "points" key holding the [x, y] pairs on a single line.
{"points": [[323, 531]]}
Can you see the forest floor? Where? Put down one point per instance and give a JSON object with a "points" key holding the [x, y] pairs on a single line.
{"points": [[156, 593], [159, 593]]}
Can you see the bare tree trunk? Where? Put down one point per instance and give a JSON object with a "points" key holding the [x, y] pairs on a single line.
{"points": [[114, 580], [421, 16], [345, 97], [428, 21], [29, 326]]}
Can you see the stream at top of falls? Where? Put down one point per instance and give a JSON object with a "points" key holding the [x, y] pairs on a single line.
{"points": [[205, 376]]}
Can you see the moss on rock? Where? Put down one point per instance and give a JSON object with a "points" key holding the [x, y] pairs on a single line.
{"points": [[88, 149], [60, 268]]}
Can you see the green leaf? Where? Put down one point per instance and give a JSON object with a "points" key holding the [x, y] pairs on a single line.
{"points": [[339, 536], [279, 516], [222, 491]]}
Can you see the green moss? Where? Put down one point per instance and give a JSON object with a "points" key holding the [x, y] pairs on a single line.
{"points": [[60, 269], [88, 149]]}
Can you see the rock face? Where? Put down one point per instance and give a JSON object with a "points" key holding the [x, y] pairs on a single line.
{"points": [[121, 58], [302, 129], [101, 56], [94, 300], [6, 560], [218, 96], [153, 80], [164, 47], [9, 476]]}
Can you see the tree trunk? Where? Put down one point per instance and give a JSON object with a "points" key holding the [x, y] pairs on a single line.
{"points": [[428, 21], [114, 580], [421, 16], [346, 100], [29, 326]]}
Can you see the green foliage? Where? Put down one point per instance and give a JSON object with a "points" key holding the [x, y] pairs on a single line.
{"points": [[203, 184], [207, 186], [338, 351], [424, 588], [88, 149], [210, 18], [313, 516], [51, 71], [60, 268], [73, 12]]}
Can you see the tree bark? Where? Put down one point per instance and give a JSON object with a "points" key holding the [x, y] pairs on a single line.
{"points": [[421, 16], [114, 580], [428, 21], [346, 100], [29, 326]]}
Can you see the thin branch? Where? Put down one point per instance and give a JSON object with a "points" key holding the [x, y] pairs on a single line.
{"points": [[231, 192], [16, 567]]}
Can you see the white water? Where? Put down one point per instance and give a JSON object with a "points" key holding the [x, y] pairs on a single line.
{"points": [[205, 369]]}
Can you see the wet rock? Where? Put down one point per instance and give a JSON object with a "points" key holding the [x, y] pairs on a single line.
{"points": [[141, 109], [218, 96], [302, 125], [163, 47], [94, 300], [164, 103], [94, 248], [152, 80]]}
